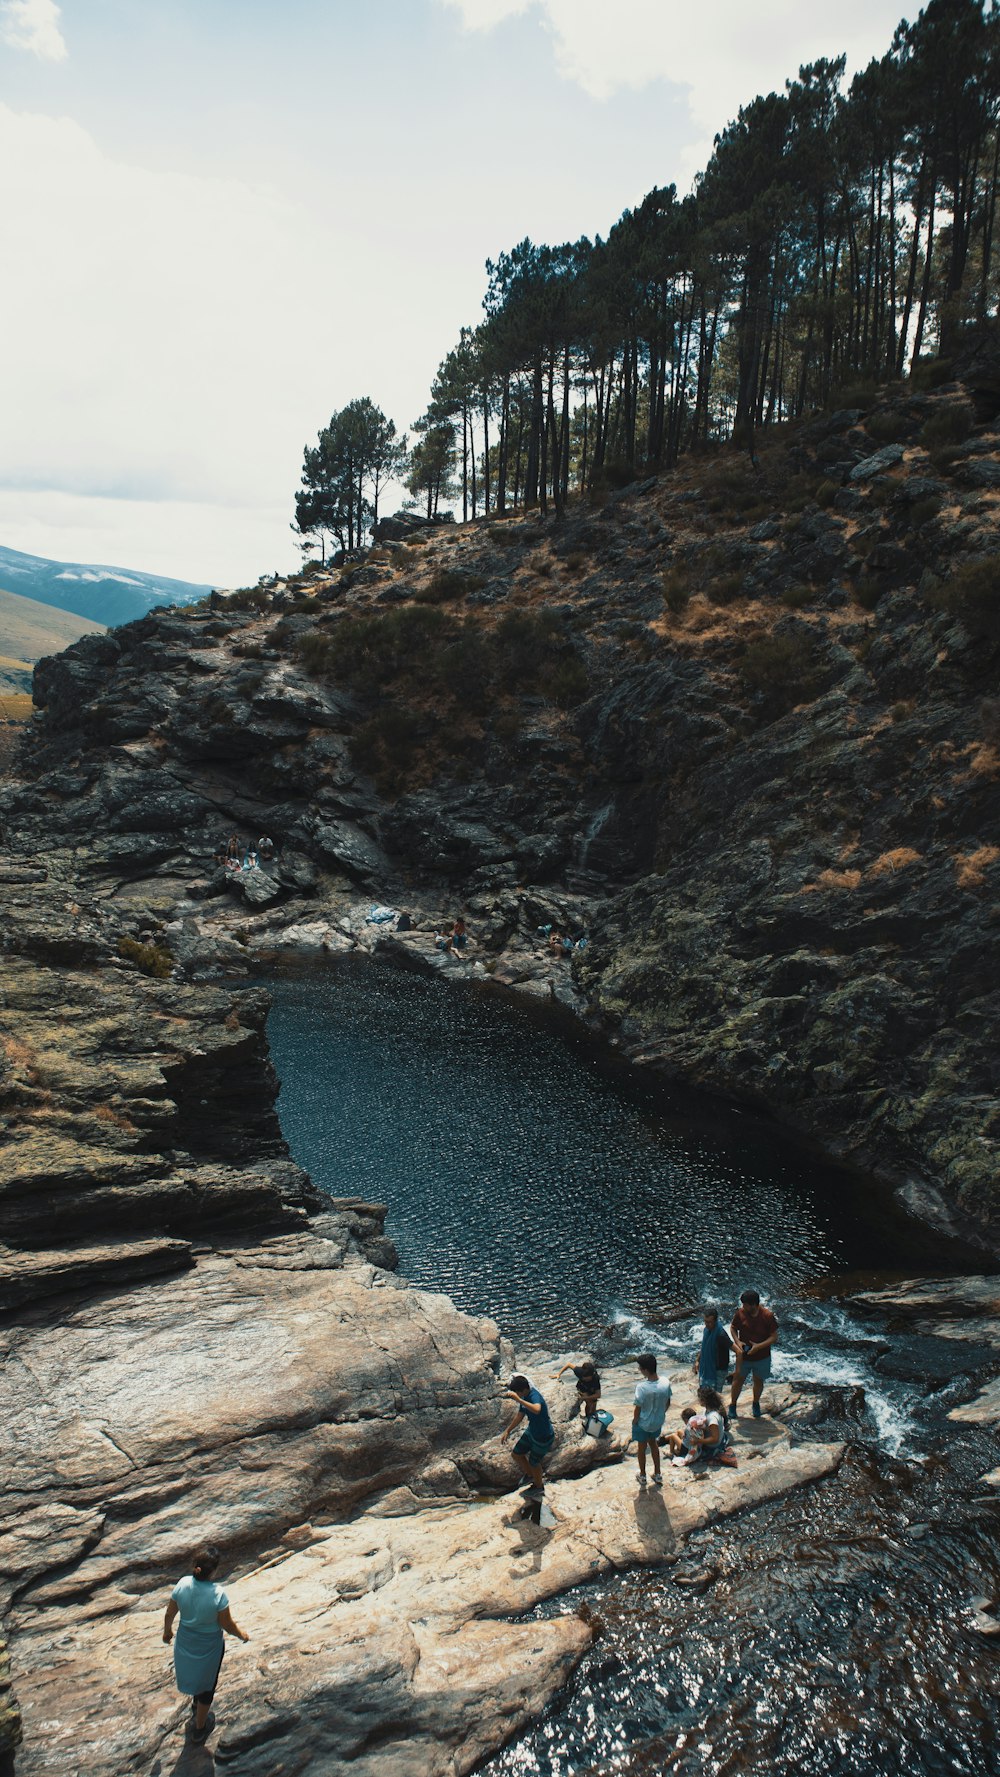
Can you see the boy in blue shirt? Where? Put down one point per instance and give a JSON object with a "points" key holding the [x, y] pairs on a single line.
{"points": [[652, 1398], [535, 1442]]}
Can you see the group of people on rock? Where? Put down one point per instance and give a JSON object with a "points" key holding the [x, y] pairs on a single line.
{"points": [[237, 857], [562, 943], [200, 1609], [455, 941], [704, 1434]]}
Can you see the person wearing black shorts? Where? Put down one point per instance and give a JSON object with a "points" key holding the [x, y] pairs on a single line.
{"points": [[588, 1387]]}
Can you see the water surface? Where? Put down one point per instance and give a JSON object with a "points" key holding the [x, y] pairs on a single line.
{"points": [[533, 1182]]}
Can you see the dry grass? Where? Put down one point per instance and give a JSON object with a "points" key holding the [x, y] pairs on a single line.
{"points": [[18, 1054], [106, 1114], [833, 879], [971, 867], [985, 761], [890, 861]]}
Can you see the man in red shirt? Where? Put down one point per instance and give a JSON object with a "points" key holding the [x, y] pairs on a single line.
{"points": [[754, 1331]]}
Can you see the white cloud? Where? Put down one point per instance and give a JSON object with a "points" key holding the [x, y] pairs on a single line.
{"points": [[172, 342], [33, 25], [482, 15], [724, 52]]}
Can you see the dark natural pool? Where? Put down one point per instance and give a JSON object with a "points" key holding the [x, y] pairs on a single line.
{"points": [[534, 1181]]}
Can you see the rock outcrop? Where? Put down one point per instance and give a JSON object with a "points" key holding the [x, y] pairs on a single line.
{"points": [[335, 1432], [744, 724], [738, 732]]}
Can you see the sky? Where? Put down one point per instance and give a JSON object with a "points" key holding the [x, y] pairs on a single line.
{"points": [[224, 219]]}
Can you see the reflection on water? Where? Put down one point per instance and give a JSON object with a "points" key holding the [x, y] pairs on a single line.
{"points": [[530, 1183]]}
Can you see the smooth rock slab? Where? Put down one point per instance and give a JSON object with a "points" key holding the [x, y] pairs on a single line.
{"points": [[963, 1296], [228, 1402], [379, 1649]]}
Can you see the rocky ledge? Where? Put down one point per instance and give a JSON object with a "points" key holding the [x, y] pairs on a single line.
{"points": [[194, 1346], [337, 1432]]}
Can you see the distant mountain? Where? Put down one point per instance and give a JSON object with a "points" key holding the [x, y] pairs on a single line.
{"points": [[28, 630], [104, 595]]}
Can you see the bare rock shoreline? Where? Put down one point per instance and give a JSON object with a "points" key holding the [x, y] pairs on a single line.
{"points": [[337, 1432], [193, 1345]]}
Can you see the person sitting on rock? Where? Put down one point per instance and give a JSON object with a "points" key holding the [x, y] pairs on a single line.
{"points": [[588, 1388], [677, 1441], [755, 1331], [234, 849], [652, 1398], [455, 940], [713, 1442], [535, 1443], [250, 858], [265, 848], [205, 1620]]}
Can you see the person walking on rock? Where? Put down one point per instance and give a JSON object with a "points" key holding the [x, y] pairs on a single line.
{"points": [[200, 1643], [754, 1332], [535, 1443], [652, 1398]]}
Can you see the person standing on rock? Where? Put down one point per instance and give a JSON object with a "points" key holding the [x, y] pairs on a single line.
{"points": [[652, 1398], [754, 1332], [535, 1443], [713, 1358], [205, 1620]]}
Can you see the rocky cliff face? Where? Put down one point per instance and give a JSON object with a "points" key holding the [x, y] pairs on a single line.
{"points": [[739, 725]]}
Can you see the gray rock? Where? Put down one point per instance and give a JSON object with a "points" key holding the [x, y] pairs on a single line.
{"points": [[354, 851], [257, 887], [883, 459], [985, 473]]}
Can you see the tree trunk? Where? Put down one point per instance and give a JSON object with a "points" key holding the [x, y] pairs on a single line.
{"points": [[989, 222], [486, 453], [564, 429], [534, 434], [911, 277], [925, 285], [502, 457]]}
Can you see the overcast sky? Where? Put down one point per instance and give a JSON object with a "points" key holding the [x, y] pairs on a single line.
{"points": [[223, 219]]}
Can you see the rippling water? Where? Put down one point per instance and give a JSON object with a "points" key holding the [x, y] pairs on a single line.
{"points": [[535, 1183], [835, 1640]]}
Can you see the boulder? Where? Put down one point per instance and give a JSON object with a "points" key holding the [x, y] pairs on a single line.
{"points": [[878, 463]]}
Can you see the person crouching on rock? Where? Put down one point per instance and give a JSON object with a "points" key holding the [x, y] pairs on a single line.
{"points": [[200, 1643], [535, 1443], [588, 1388]]}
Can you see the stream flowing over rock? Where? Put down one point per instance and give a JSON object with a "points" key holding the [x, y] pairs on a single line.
{"points": [[722, 781]]}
